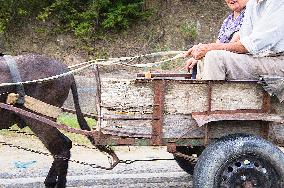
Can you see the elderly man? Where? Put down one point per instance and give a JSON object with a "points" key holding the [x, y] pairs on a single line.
{"points": [[260, 50]]}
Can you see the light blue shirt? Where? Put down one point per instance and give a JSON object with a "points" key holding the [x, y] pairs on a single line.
{"points": [[262, 32]]}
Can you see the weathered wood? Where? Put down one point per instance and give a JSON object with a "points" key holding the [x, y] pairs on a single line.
{"points": [[126, 96], [219, 129], [181, 97], [232, 96], [135, 99], [184, 98]]}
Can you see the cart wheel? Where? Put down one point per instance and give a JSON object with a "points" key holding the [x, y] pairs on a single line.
{"points": [[240, 161], [188, 166]]}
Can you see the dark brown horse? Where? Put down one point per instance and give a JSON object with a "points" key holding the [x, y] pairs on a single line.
{"points": [[54, 92]]}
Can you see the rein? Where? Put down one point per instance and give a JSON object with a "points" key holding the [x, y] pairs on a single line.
{"points": [[125, 61]]}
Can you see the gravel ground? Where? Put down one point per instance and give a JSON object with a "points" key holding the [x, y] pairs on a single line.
{"points": [[25, 169]]}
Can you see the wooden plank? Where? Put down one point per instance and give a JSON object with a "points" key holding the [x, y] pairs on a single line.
{"points": [[232, 96], [181, 97], [127, 96], [219, 129]]}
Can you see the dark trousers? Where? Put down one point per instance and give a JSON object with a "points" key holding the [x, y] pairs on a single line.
{"points": [[194, 72]]}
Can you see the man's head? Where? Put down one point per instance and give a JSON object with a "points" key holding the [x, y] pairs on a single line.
{"points": [[236, 5]]}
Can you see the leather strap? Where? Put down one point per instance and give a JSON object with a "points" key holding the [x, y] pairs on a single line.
{"points": [[16, 77]]}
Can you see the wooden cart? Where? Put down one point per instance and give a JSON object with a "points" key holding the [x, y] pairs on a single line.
{"points": [[228, 126]]}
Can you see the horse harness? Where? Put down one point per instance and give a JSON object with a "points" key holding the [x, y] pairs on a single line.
{"points": [[16, 77]]}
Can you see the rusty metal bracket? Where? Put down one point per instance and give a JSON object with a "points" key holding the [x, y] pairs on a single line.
{"points": [[266, 102], [172, 147], [203, 119], [158, 112]]}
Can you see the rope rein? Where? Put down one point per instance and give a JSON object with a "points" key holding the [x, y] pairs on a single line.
{"points": [[110, 61]]}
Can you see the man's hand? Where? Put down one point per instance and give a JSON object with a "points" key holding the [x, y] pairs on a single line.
{"points": [[190, 64], [197, 51], [200, 51]]}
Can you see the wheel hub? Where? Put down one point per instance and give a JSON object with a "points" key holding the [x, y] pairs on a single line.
{"points": [[247, 172]]}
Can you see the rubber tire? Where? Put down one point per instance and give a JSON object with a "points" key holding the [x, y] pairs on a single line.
{"points": [[187, 166], [232, 146]]}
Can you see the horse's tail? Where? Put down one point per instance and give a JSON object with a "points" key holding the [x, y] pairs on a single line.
{"points": [[84, 126], [80, 117]]}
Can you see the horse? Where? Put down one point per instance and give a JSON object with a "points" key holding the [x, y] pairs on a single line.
{"points": [[54, 92]]}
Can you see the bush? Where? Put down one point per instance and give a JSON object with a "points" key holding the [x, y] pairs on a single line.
{"points": [[15, 12], [82, 17]]}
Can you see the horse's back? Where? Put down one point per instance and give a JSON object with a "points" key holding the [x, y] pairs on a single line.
{"points": [[33, 67]]}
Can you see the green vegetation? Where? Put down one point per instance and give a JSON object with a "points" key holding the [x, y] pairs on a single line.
{"points": [[189, 30], [71, 120], [85, 18]]}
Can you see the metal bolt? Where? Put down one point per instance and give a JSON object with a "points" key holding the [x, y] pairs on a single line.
{"points": [[246, 162], [243, 178]]}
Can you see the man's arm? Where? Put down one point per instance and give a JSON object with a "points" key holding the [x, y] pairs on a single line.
{"points": [[200, 51], [266, 36], [236, 47]]}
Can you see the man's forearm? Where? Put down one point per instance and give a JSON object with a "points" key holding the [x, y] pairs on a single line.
{"points": [[236, 47], [199, 51]]}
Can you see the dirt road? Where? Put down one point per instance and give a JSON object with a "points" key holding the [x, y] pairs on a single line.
{"points": [[25, 169]]}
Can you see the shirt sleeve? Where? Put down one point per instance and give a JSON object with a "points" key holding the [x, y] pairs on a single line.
{"points": [[266, 32]]}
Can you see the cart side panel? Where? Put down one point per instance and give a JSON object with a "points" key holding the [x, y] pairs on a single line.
{"points": [[181, 97], [185, 98], [133, 102], [175, 126]]}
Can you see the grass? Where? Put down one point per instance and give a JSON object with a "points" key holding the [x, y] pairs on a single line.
{"points": [[71, 121]]}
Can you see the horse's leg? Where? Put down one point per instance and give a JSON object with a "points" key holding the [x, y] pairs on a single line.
{"points": [[59, 146]]}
